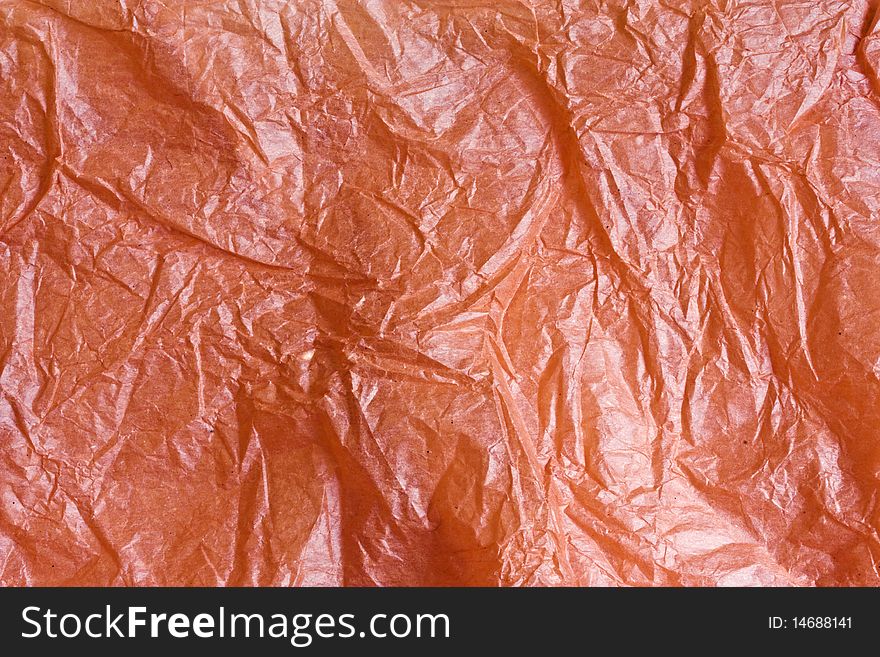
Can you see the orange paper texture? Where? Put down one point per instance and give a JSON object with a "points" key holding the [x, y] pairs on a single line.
{"points": [[439, 293]]}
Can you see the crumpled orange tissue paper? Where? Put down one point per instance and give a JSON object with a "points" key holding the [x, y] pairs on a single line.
{"points": [[410, 292]]}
